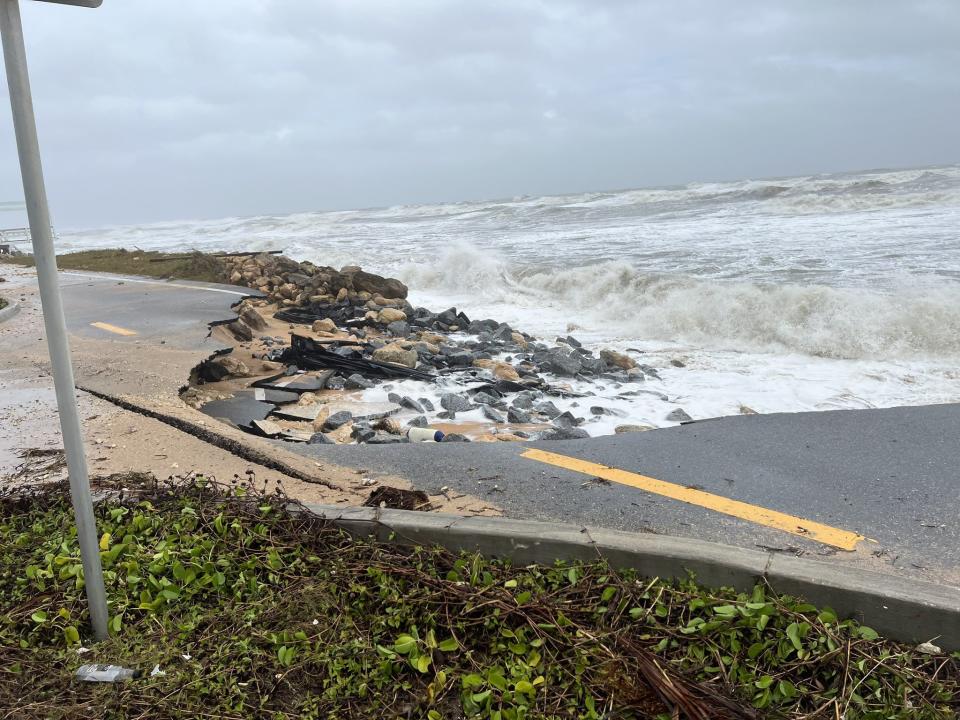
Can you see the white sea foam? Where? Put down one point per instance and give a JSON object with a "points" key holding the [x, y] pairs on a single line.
{"points": [[803, 293]]}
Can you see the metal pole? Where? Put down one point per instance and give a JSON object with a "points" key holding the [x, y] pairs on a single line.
{"points": [[24, 123]]}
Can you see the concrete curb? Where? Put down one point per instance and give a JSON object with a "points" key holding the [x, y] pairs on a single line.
{"points": [[9, 311], [902, 609]]}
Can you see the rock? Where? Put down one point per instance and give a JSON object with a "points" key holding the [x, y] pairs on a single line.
{"points": [[461, 359], [336, 383], [377, 285], [396, 354], [593, 366], [679, 415], [356, 382], [229, 366], [559, 361], [562, 434], [253, 319], [318, 438], [271, 367], [572, 341], [455, 403], [385, 438], [621, 429], [342, 295], [432, 339], [324, 325], [410, 404], [566, 420], [427, 405], [388, 315], [419, 421], [547, 408], [482, 398], [597, 410], [362, 432], [337, 420], [235, 278], [503, 334], [678, 363], [505, 371], [394, 398], [240, 331], [518, 416], [455, 437], [523, 401], [519, 340], [492, 415], [615, 359], [398, 329]]}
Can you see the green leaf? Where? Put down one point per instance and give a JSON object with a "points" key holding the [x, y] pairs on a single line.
{"points": [[755, 650], [608, 592], [868, 633], [39, 616], [793, 633], [525, 687], [510, 584], [448, 645], [727, 610], [827, 616], [764, 682], [423, 663], [472, 681], [523, 597], [116, 623], [495, 678], [787, 688], [636, 612], [434, 715], [572, 576], [481, 697], [71, 635], [404, 644]]}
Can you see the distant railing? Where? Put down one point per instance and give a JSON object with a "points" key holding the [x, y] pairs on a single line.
{"points": [[10, 236]]}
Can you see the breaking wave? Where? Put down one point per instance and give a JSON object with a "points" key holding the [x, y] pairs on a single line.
{"points": [[849, 323]]}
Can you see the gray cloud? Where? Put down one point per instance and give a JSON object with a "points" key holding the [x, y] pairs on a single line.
{"points": [[153, 110]]}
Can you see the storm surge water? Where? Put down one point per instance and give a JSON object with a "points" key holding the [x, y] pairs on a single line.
{"points": [[814, 292]]}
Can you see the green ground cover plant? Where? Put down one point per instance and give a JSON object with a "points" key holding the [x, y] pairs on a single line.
{"points": [[183, 266], [255, 609]]}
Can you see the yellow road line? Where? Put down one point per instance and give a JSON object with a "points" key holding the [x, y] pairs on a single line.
{"points": [[113, 328], [825, 534]]}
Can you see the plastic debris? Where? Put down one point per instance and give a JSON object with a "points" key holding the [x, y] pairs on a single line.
{"points": [[106, 673]]}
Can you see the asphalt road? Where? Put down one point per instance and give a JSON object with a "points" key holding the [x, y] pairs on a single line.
{"points": [[890, 476], [146, 310]]}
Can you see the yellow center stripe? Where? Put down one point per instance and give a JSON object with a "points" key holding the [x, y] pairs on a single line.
{"points": [[825, 534], [113, 328]]}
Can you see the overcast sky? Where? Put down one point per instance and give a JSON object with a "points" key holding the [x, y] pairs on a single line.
{"points": [[176, 109]]}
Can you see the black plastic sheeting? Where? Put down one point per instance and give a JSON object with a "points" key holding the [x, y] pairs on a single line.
{"points": [[343, 314], [309, 355]]}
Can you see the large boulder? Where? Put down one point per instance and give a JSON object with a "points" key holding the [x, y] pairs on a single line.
{"points": [[376, 284], [615, 359], [389, 315], [396, 354]]}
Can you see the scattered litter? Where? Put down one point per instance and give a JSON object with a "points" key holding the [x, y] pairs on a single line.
{"points": [[928, 648], [106, 673], [157, 672], [595, 481], [419, 434]]}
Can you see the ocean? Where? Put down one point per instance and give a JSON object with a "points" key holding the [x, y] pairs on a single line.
{"points": [[780, 295]]}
